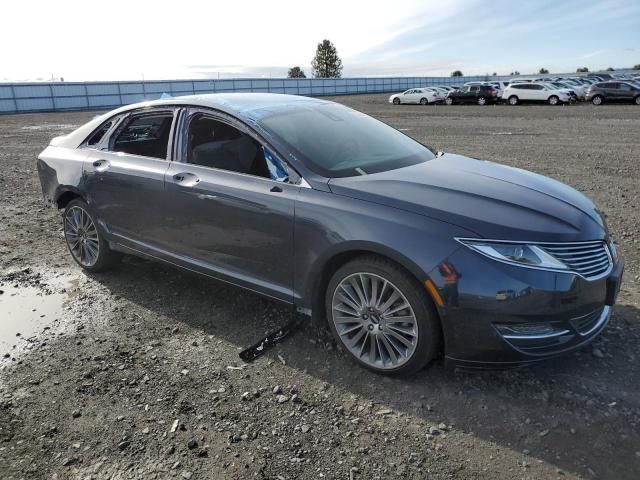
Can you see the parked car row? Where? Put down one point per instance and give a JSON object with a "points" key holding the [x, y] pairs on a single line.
{"points": [[596, 89]]}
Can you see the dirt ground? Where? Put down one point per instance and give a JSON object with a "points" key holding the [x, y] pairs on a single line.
{"points": [[135, 373]]}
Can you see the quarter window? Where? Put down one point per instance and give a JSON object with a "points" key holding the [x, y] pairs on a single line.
{"points": [[99, 134], [145, 135]]}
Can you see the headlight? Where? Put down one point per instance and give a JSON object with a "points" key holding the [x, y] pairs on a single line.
{"points": [[514, 253]]}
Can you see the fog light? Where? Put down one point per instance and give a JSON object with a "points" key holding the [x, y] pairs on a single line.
{"points": [[530, 330]]}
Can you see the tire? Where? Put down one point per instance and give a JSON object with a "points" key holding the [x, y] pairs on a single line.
{"points": [[396, 101], [424, 101], [637, 100], [448, 101], [85, 239], [553, 100], [388, 354], [513, 100], [482, 101], [597, 100]]}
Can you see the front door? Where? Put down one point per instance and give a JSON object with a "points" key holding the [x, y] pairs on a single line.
{"points": [[230, 211]]}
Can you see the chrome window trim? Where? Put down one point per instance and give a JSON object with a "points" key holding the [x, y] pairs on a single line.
{"points": [[603, 242]]}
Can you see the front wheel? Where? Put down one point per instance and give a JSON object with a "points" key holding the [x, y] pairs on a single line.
{"points": [[448, 101], [513, 100], [396, 101], [597, 100], [85, 240], [382, 316], [553, 100]]}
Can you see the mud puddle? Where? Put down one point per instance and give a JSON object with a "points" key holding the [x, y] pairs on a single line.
{"points": [[27, 309]]}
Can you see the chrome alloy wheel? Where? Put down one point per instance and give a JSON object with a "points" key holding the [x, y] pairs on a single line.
{"points": [[81, 235], [374, 320]]}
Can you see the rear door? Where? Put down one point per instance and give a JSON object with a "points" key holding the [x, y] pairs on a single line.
{"points": [[472, 95], [125, 176]]}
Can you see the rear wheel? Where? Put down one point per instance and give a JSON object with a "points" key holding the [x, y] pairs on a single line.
{"points": [[482, 101], [423, 101], [84, 238], [448, 101], [396, 101], [513, 100], [553, 100], [597, 100], [382, 317]]}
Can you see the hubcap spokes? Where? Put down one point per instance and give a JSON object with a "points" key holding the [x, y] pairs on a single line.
{"points": [[82, 236], [374, 320]]}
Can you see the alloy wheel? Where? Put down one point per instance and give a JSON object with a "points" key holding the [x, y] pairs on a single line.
{"points": [[374, 320], [513, 100], [482, 101], [597, 100], [553, 100], [638, 100], [448, 101], [81, 235]]}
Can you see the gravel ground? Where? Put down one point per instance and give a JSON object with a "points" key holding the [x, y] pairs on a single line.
{"points": [[135, 373]]}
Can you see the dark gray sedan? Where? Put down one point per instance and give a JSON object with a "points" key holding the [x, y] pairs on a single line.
{"points": [[405, 252]]}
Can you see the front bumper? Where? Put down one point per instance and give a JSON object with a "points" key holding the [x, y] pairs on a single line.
{"points": [[499, 316]]}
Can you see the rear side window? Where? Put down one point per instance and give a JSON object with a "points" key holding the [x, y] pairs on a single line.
{"points": [[146, 135]]}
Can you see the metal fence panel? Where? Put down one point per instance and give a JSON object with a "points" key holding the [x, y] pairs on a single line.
{"points": [[45, 96]]}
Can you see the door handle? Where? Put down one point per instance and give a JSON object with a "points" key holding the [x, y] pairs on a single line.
{"points": [[101, 165], [276, 189], [186, 179]]}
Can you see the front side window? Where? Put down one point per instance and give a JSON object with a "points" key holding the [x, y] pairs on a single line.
{"points": [[146, 135], [336, 141], [216, 144]]}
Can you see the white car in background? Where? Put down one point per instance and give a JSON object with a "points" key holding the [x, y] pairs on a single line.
{"points": [[420, 96], [534, 92]]}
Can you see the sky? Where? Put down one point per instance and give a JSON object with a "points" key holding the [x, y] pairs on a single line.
{"points": [[115, 39]]}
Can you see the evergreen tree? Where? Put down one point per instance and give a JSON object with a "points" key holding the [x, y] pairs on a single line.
{"points": [[326, 63]]}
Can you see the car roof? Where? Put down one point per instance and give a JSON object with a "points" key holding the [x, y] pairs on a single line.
{"points": [[249, 106]]}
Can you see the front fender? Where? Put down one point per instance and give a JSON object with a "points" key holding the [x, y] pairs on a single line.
{"points": [[328, 226]]}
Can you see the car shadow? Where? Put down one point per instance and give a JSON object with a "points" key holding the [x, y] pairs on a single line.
{"points": [[577, 412]]}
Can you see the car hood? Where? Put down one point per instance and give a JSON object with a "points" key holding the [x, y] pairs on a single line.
{"points": [[492, 200]]}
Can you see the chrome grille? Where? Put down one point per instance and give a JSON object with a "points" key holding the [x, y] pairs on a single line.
{"points": [[589, 259]]}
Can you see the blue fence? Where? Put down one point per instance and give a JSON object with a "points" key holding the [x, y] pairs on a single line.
{"points": [[64, 96]]}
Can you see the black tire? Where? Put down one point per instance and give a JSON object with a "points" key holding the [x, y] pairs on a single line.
{"points": [[597, 100], [448, 101], [482, 101], [429, 334], [396, 101], [513, 100], [553, 100], [424, 101], [106, 257]]}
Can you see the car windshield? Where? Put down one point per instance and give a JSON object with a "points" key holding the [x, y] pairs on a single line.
{"points": [[336, 141]]}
